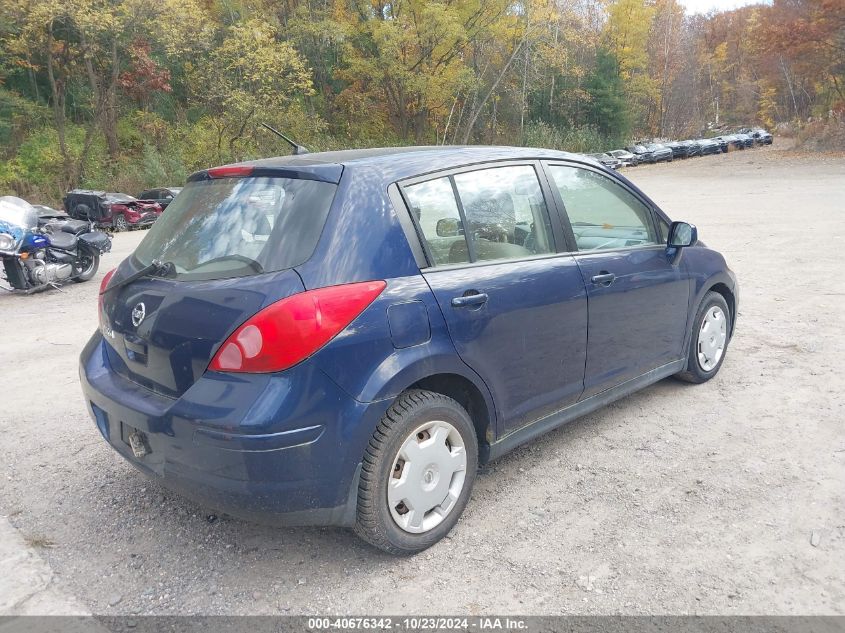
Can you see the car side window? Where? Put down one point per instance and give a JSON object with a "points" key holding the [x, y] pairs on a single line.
{"points": [[505, 212], [603, 214], [500, 213], [434, 206]]}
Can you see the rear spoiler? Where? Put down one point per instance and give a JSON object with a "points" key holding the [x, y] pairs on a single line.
{"points": [[324, 172]]}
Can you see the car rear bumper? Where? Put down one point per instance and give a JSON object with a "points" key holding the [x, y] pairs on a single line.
{"points": [[274, 448]]}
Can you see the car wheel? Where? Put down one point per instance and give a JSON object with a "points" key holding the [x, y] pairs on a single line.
{"points": [[417, 473], [711, 333], [119, 223]]}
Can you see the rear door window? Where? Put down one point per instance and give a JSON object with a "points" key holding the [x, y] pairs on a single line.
{"points": [[434, 206], [235, 227], [505, 212], [498, 213]]}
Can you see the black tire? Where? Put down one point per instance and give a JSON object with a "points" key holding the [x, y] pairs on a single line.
{"points": [[89, 271], [119, 223], [694, 372], [411, 409]]}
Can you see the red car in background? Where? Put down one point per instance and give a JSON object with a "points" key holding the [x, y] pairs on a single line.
{"points": [[118, 211]]}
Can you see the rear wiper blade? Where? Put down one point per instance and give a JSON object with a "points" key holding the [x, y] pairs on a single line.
{"points": [[155, 268]]}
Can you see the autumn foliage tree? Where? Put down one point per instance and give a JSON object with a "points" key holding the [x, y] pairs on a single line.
{"points": [[144, 77], [131, 93]]}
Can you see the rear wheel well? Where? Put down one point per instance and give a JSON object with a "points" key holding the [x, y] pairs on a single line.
{"points": [[468, 396], [723, 290]]}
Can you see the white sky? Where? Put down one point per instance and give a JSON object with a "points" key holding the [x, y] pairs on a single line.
{"points": [[704, 6]]}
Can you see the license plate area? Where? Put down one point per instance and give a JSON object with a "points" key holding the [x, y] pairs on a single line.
{"points": [[136, 440]]}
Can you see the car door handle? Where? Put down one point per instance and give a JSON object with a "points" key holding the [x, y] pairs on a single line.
{"points": [[476, 299], [603, 279]]}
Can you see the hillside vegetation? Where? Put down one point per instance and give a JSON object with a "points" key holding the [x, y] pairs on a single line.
{"points": [[122, 95]]}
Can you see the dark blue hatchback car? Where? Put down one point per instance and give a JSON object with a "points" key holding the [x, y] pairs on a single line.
{"points": [[341, 338]]}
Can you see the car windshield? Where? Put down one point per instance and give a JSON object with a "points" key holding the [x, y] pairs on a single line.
{"points": [[119, 197], [235, 227]]}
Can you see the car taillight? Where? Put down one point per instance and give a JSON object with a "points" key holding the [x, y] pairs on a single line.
{"points": [[292, 329], [103, 285]]}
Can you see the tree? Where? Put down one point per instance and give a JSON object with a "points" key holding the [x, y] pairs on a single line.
{"points": [[74, 43], [665, 61], [626, 36], [606, 109], [409, 59], [144, 75], [249, 77]]}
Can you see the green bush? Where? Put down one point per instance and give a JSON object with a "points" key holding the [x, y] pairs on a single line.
{"points": [[37, 169], [585, 139]]}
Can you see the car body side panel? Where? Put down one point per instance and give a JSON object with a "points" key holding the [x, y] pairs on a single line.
{"points": [[528, 340], [637, 323], [363, 239], [365, 362], [707, 268]]}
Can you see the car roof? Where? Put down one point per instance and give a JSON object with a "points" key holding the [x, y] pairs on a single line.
{"points": [[92, 192], [394, 163]]}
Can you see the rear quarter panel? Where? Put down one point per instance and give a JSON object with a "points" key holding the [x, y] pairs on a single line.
{"points": [[370, 364], [362, 239]]}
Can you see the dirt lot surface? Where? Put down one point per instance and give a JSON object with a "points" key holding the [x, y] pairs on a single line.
{"points": [[721, 498]]}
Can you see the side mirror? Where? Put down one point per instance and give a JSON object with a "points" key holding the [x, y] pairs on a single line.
{"points": [[448, 227], [682, 234]]}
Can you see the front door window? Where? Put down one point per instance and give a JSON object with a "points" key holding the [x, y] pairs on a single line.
{"points": [[603, 214]]}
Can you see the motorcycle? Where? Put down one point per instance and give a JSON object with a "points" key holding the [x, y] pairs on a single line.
{"points": [[37, 255]]}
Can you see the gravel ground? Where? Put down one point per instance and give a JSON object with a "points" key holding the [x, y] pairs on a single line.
{"points": [[721, 498]]}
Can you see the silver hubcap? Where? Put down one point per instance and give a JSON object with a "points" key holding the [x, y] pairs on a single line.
{"points": [[427, 477], [711, 338]]}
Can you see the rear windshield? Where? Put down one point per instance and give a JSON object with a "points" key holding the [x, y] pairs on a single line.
{"points": [[235, 227]]}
